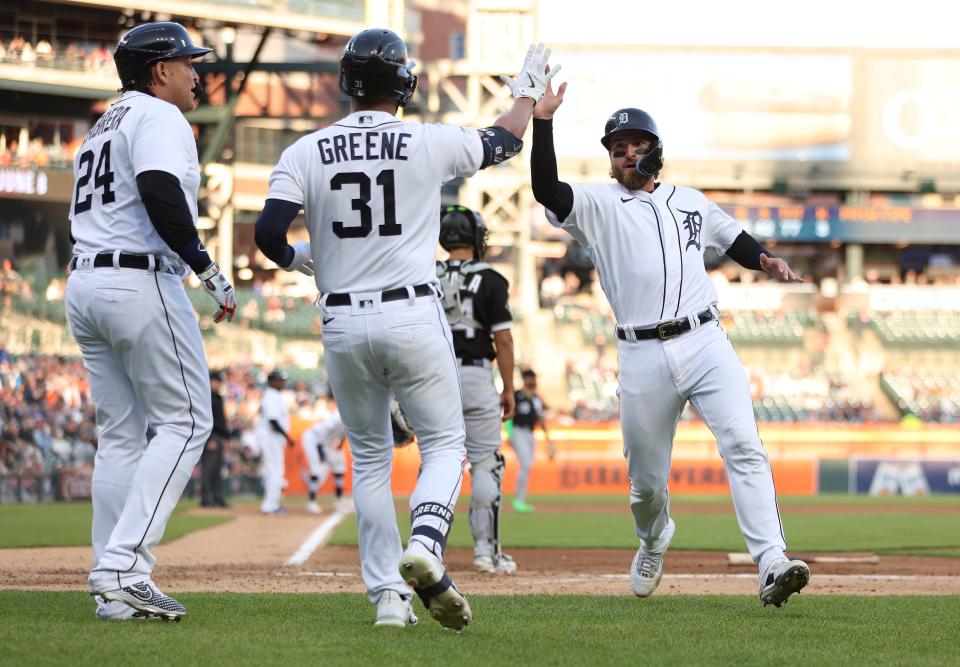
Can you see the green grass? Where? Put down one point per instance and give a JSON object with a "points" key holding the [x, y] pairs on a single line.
{"points": [[48, 628], [68, 524], [942, 500], [887, 532]]}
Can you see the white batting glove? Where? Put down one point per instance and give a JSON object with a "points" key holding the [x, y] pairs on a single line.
{"points": [[534, 76], [219, 288], [302, 259]]}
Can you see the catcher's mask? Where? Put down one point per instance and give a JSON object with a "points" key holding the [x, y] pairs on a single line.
{"points": [[460, 227]]}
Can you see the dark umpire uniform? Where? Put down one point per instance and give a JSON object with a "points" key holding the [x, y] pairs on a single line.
{"points": [[476, 305], [211, 461]]}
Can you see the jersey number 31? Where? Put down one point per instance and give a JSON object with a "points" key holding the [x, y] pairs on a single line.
{"points": [[389, 226], [102, 179]]}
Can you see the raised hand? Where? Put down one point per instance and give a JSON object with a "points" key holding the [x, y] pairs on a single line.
{"points": [[550, 102], [534, 76]]}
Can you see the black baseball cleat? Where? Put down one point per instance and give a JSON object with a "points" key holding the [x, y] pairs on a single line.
{"points": [[147, 600], [783, 579]]}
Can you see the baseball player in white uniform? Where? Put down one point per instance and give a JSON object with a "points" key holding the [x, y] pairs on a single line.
{"points": [[133, 223], [370, 189], [273, 436], [647, 239], [323, 447]]}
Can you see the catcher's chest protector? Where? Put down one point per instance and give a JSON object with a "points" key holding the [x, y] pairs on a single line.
{"points": [[454, 278]]}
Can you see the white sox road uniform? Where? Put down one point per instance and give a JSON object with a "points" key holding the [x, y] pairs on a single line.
{"points": [[320, 447], [370, 189], [138, 334], [648, 250], [273, 407]]}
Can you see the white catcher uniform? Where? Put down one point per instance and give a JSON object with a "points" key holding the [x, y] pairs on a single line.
{"points": [[370, 190], [320, 447], [272, 444], [648, 250], [138, 334]]}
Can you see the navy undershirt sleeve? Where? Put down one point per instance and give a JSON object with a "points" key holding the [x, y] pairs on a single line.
{"points": [[746, 251], [271, 230], [167, 209]]}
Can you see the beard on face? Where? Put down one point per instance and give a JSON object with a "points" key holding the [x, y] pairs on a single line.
{"points": [[631, 179]]}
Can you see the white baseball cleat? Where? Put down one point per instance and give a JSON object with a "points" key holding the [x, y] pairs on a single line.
{"points": [[394, 610], [313, 508], [117, 611], [783, 579], [502, 564], [425, 574], [647, 568], [146, 598]]}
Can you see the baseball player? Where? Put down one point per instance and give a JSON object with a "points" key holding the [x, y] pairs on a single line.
{"points": [[370, 189], [133, 224], [273, 432], [647, 239], [475, 300], [529, 415], [323, 446]]}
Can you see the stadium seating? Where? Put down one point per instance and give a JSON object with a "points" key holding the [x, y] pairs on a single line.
{"points": [[920, 328], [931, 395]]}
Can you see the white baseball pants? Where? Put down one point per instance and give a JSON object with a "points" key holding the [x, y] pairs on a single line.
{"points": [[657, 378], [145, 362], [272, 448], [374, 349]]}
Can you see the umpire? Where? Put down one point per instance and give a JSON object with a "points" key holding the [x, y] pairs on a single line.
{"points": [[475, 300], [211, 461]]}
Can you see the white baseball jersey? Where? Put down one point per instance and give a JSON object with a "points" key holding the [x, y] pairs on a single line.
{"points": [[327, 432], [139, 133], [648, 247], [370, 187], [273, 407]]}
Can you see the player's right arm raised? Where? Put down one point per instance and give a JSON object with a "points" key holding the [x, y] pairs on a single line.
{"points": [[548, 189]]}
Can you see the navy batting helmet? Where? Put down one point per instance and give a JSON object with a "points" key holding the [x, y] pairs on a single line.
{"points": [[374, 64], [461, 227], [148, 43], [637, 120]]}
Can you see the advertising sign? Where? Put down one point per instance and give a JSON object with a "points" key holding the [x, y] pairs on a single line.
{"points": [[904, 477]]}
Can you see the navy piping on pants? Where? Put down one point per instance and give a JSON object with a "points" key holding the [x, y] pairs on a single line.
{"points": [[193, 424]]}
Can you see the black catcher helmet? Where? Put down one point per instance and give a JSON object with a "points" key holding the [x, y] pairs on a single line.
{"points": [[462, 228], [148, 43], [636, 119], [374, 64]]}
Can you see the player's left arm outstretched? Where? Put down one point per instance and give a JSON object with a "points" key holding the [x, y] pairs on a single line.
{"points": [[724, 232]]}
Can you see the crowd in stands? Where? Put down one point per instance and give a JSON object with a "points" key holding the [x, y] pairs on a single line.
{"points": [[38, 154], [90, 56], [933, 396], [48, 421]]}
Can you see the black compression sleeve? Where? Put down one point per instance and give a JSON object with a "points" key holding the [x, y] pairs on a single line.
{"points": [[746, 251], [547, 187], [167, 209], [271, 230], [279, 429]]}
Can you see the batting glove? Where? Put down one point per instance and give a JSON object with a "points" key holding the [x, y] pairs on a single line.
{"points": [[534, 77], [302, 259], [217, 286]]}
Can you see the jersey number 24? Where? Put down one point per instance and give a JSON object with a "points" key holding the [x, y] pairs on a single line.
{"points": [[102, 179], [389, 226]]}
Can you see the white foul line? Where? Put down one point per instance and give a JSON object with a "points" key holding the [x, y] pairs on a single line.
{"points": [[316, 538]]}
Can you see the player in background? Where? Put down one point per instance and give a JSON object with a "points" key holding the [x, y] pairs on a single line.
{"points": [[273, 432], [529, 414], [323, 446], [369, 186], [647, 239], [475, 300], [133, 224]]}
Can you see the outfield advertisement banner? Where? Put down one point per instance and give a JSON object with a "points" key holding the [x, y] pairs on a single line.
{"points": [[904, 477]]}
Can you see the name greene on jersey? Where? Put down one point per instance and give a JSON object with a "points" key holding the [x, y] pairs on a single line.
{"points": [[109, 121], [363, 146]]}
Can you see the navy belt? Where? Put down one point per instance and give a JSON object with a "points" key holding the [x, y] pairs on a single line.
{"points": [[482, 363], [124, 261], [396, 294], [667, 330]]}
